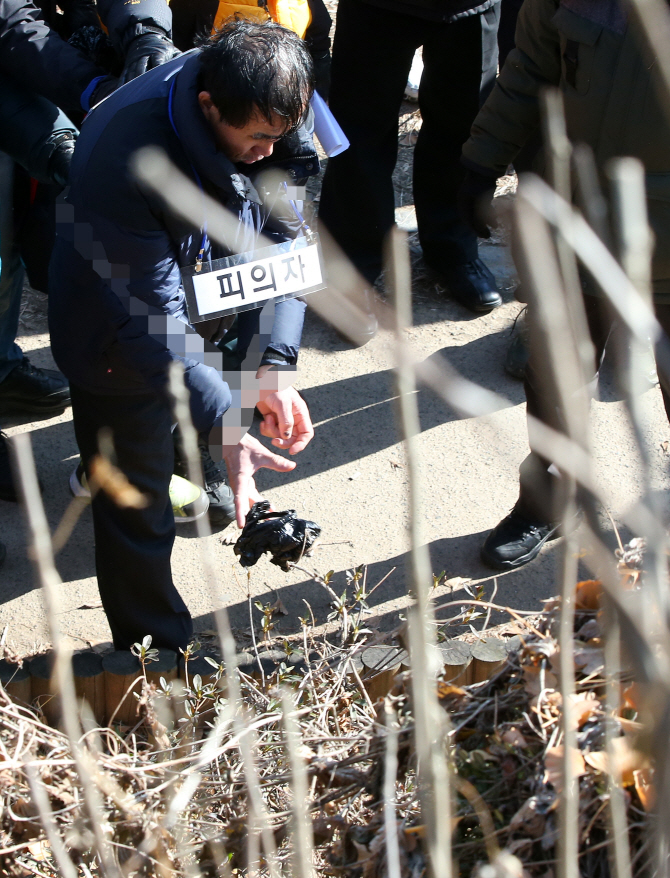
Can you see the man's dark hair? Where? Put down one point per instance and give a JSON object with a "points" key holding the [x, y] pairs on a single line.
{"points": [[250, 66]]}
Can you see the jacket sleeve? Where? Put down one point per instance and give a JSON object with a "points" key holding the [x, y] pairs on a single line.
{"points": [[284, 344], [28, 125], [124, 21], [512, 111], [36, 56]]}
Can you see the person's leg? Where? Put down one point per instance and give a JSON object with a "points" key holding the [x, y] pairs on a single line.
{"points": [[372, 55], [540, 496], [11, 273], [133, 546], [210, 397], [23, 387], [536, 516], [459, 71]]}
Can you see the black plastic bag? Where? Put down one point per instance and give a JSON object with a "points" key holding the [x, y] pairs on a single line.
{"points": [[286, 537]]}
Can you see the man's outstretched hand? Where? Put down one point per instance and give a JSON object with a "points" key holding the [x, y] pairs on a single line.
{"points": [[242, 462], [286, 419]]}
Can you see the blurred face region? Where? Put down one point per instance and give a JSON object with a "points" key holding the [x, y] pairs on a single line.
{"points": [[249, 144]]}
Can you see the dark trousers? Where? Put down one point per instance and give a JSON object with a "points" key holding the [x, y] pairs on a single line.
{"points": [[372, 55], [541, 495], [133, 547]]}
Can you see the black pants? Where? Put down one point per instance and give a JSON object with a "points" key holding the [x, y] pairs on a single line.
{"points": [[372, 55], [541, 497], [133, 547]]}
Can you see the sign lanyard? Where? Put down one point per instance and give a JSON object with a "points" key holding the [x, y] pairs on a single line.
{"points": [[203, 242]]}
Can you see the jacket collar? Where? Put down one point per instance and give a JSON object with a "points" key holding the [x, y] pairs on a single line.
{"points": [[197, 138]]}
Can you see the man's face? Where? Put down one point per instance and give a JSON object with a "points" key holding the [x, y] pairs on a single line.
{"points": [[248, 144]]}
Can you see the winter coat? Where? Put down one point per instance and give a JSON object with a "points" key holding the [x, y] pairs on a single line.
{"points": [[115, 270], [587, 49], [38, 59]]}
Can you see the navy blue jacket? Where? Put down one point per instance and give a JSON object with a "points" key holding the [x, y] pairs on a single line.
{"points": [[36, 58], [116, 303]]}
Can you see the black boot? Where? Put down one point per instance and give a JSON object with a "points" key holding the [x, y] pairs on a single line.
{"points": [[3, 554], [29, 389]]}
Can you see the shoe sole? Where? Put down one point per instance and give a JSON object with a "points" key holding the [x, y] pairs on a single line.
{"points": [[220, 517], [187, 519], [496, 564], [35, 409], [476, 309]]}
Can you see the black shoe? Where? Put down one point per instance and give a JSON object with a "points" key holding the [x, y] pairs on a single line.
{"points": [[472, 285], [29, 389], [7, 488], [221, 498], [3, 554], [516, 541]]}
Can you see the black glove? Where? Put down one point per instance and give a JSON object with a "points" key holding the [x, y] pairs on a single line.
{"points": [[103, 89], [58, 166], [146, 51], [474, 197], [213, 330]]}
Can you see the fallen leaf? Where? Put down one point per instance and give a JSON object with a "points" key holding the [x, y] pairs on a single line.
{"points": [[630, 726], [514, 738], [589, 660], [589, 630], [534, 681], [628, 760], [445, 690], [584, 705], [553, 766], [588, 594], [597, 759], [95, 606], [39, 850], [644, 787], [457, 582]]}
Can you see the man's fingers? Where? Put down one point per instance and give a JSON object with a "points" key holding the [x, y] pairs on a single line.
{"points": [[276, 463], [245, 497], [269, 427], [284, 415]]}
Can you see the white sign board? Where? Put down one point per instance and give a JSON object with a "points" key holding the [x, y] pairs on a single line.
{"points": [[248, 280]]}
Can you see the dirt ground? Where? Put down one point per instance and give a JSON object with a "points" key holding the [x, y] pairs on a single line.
{"points": [[351, 479]]}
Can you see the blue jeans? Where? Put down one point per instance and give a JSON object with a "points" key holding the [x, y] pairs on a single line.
{"points": [[11, 274]]}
